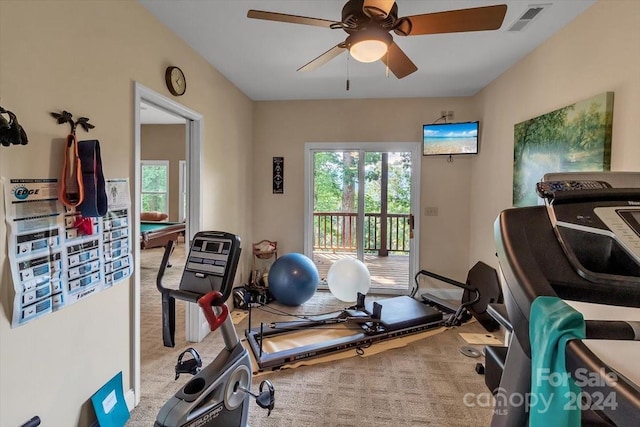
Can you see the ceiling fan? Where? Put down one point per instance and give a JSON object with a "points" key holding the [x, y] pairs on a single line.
{"points": [[368, 24]]}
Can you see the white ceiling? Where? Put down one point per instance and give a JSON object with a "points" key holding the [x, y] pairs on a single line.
{"points": [[261, 57], [152, 115]]}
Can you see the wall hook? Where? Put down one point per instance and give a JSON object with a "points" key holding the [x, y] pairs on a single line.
{"points": [[67, 117]]}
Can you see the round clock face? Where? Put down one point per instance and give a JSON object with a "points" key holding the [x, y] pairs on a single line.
{"points": [[175, 80]]}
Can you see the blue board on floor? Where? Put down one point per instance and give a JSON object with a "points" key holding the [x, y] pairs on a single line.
{"points": [[109, 404]]}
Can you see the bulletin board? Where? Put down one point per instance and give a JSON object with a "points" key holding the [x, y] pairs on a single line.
{"points": [[55, 263]]}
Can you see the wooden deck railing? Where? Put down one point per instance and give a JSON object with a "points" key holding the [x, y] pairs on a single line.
{"points": [[336, 232]]}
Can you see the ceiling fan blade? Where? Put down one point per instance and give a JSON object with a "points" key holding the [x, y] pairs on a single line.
{"points": [[293, 19], [324, 58], [398, 62], [453, 21], [377, 8]]}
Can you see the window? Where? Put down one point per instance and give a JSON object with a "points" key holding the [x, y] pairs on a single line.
{"points": [[155, 186]]}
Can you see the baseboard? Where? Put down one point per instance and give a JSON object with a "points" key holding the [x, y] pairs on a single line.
{"points": [[130, 399]]}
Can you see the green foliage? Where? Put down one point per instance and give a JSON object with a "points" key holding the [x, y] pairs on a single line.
{"points": [[573, 138], [587, 130], [154, 187], [335, 174], [335, 190], [327, 177], [154, 202], [154, 178], [398, 183], [540, 131]]}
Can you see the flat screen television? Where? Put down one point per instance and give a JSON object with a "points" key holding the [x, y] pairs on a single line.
{"points": [[447, 139]]}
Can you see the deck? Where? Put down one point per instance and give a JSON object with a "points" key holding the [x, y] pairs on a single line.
{"points": [[389, 273]]}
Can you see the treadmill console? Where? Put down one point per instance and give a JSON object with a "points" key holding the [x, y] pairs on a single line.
{"points": [[548, 189], [624, 223], [210, 262], [598, 227], [632, 218]]}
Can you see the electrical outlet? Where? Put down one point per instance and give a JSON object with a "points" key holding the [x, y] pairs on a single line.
{"points": [[447, 114], [431, 211]]}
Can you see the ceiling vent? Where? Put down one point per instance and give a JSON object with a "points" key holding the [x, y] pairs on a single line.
{"points": [[528, 16]]}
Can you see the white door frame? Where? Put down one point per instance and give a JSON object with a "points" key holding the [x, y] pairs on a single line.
{"points": [[182, 178], [416, 160], [193, 143]]}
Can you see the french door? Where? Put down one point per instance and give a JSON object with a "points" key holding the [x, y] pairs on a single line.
{"points": [[360, 202]]}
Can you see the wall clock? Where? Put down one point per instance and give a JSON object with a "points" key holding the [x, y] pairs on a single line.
{"points": [[176, 82]]}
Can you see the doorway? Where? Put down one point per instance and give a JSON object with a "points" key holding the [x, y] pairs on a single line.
{"points": [[195, 322], [360, 201]]}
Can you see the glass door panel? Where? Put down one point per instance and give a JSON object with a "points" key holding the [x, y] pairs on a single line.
{"points": [[369, 222], [386, 217], [335, 201]]}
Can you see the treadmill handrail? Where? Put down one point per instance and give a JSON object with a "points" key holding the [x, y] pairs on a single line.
{"points": [[628, 330], [531, 284], [626, 402]]}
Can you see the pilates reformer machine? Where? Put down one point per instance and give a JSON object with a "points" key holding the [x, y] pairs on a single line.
{"points": [[277, 344]]}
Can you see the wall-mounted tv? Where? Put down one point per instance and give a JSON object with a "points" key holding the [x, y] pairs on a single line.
{"points": [[447, 139]]}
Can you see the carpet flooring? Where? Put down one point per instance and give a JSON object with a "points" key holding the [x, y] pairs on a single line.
{"points": [[425, 383]]}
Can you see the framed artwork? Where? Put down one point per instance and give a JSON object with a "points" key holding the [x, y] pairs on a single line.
{"points": [[278, 175], [575, 138]]}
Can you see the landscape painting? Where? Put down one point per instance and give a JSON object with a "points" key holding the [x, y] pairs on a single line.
{"points": [[575, 138]]}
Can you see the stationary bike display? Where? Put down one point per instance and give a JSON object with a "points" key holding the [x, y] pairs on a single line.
{"points": [[219, 394]]}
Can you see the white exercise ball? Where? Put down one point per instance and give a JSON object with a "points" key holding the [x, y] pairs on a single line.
{"points": [[347, 277]]}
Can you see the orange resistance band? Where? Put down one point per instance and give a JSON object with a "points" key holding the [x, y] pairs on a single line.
{"points": [[71, 186]]}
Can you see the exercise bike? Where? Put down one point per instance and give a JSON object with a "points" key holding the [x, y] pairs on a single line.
{"points": [[219, 394]]}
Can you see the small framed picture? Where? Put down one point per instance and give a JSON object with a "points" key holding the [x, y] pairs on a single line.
{"points": [[278, 175]]}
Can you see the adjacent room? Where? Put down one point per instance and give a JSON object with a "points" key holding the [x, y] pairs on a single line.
{"points": [[319, 213]]}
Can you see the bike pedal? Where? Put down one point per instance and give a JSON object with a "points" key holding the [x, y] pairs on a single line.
{"points": [[266, 399]]}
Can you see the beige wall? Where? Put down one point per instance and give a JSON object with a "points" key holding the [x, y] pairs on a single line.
{"points": [[166, 142], [84, 56], [282, 129], [598, 52]]}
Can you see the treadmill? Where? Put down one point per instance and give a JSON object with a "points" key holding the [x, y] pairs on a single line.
{"points": [[583, 246]]}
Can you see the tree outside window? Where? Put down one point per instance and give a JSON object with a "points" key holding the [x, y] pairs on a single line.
{"points": [[155, 186]]}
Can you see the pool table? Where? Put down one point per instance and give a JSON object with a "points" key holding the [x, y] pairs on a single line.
{"points": [[155, 234]]}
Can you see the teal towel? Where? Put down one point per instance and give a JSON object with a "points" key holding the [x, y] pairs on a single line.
{"points": [[553, 391]]}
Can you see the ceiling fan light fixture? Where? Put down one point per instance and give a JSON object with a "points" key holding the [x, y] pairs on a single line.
{"points": [[368, 45]]}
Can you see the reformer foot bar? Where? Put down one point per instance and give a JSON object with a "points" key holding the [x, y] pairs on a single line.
{"points": [[277, 344]]}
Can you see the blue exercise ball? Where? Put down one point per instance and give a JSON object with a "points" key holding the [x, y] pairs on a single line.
{"points": [[293, 279]]}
